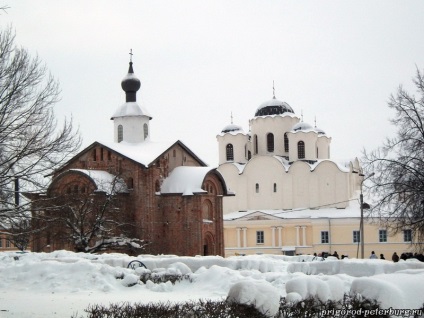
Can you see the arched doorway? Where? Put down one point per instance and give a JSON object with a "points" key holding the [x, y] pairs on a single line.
{"points": [[209, 244]]}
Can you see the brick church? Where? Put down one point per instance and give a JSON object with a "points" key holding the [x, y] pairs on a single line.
{"points": [[172, 199]]}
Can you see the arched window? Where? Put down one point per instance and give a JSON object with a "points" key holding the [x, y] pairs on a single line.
{"points": [[301, 150], [270, 142], [230, 152], [146, 130], [257, 187], [255, 145], [275, 187], [286, 143], [249, 155], [120, 133]]}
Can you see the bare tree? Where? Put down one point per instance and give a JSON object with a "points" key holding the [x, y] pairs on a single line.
{"points": [[398, 184], [19, 233], [90, 220], [32, 144]]}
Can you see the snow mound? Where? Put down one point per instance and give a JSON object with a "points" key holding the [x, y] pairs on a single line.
{"points": [[308, 287], [261, 294], [355, 268], [398, 290], [180, 268], [162, 287], [130, 280]]}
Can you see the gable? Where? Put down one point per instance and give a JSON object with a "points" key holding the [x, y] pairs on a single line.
{"points": [[252, 216], [144, 153]]}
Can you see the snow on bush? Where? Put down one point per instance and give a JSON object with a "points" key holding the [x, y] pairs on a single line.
{"points": [[161, 287], [309, 286], [179, 268], [130, 280], [399, 290], [352, 267], [261, 294]]}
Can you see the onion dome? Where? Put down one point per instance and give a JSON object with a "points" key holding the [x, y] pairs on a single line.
{"points": [[302, 126], [130, 84], [232, 128], [273, 107]]}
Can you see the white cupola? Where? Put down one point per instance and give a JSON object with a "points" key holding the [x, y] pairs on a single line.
{"points": [[131, 122]]}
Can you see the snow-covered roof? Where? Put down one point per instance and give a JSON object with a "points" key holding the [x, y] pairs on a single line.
{"points": [[131, 109], [105, 181], [273, 107], [231, 128], [343, 166], [351, 211], [143, 152], [305, 127], [185, 180]]}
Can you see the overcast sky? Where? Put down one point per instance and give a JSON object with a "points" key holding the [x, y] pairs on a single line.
{"points": [[198, 61]]}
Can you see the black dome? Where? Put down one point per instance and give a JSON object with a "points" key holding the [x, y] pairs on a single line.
{"points": [[130, 83], [273, 107]]}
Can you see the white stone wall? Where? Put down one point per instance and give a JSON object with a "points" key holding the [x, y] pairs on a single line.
{"points": [[133, 128]]}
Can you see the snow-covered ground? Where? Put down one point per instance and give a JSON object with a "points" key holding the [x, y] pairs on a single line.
{"points": [[63, 283]]}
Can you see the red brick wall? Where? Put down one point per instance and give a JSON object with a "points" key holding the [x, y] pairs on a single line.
{"points": [[172, 224]]}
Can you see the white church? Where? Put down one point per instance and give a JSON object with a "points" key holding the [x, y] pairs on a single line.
{"points": [[290, 196]]}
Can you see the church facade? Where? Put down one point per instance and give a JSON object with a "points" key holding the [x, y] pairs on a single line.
{"points": [[290, 196], [168, 195]]}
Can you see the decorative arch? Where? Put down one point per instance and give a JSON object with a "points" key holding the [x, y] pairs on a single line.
{"points": [[207, 210]]}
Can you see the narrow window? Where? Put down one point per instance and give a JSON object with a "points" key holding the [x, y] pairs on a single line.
{"points": [[94, 154], [230, 152], [382, 236], [275, 187], [356, 236], [120, 133], [317, 153], [101, 154], [270, 142], [257, 187], [146, 130], [130, 183], [249, 155], [7, 243], [260, 237], [109, 155], [324, 237], [174, 153], [255, 145], [1, 242], [407, 236], [301, 150], [286, 143]]}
